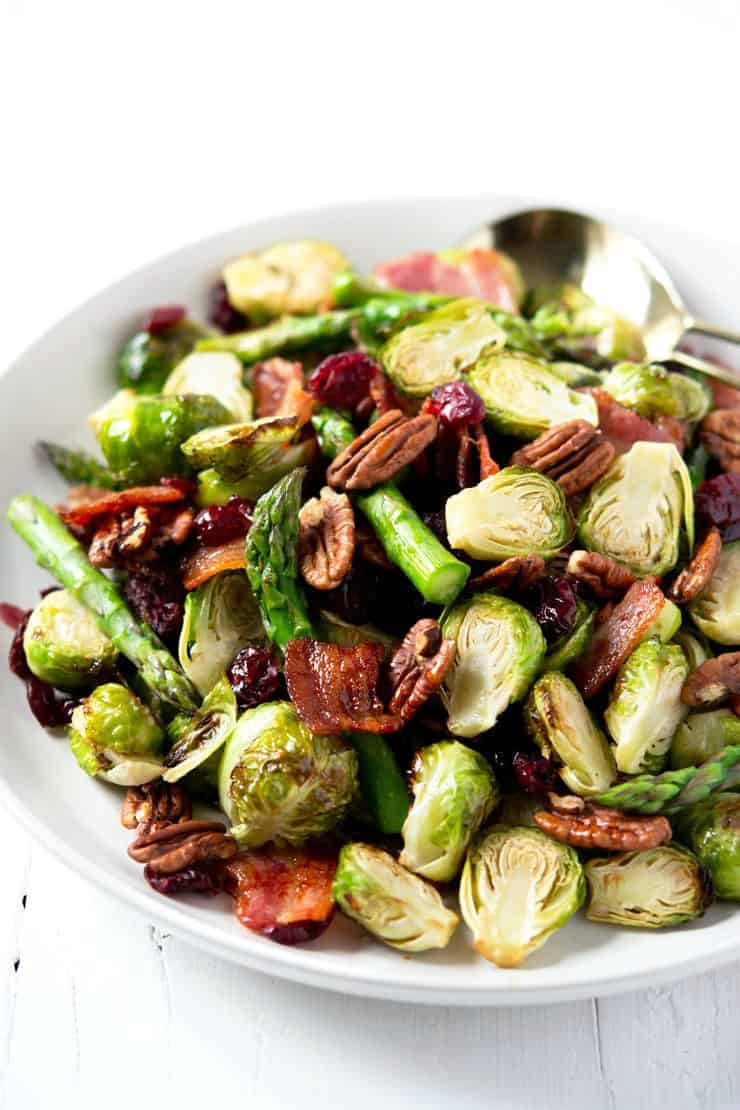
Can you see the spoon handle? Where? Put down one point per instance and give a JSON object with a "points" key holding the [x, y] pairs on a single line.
{"points": [[711, 329], [721, 373]]}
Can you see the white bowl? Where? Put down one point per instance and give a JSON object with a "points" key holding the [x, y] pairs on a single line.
{"points": [[48, 393]]}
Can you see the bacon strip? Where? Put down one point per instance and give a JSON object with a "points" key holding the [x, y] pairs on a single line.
{"points": [[623, 428], [335, 688], [114, 502], [203, 562], [484, 274], [278, 390], [617, 637]]}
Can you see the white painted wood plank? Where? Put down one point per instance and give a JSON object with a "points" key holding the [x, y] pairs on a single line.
{"points": [[15, 866]]}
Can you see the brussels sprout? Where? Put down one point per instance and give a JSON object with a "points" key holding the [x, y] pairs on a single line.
{"points": [[694, 647], [213, 490], [518, 886], [711, 829], [523, 397], [575, 324], [114, 736], [334, 630], [515, 512], [205, 734], [519, 809], [216, 374], [654, 391], [454, 793], [292, 277], [221, 616], [500, 647], [667, 623], [717, 608], [649, 890], [575, 374], [645, 706], [148, 357], [635, 512], [566, 649], [563, 729], [141, 436], [391, 903], [280, 782], [64, 644], [702, 735], [438, 349], [254, 456]]}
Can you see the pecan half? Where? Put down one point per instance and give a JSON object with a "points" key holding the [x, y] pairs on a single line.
{"points": [[574, 454], [720, 434], [327, 539], [418, 667], [177, 847], [587, 825], [155, 806], [513, 574], [696, 576], [603, 576], [136, 531], [713, 682], [104, 546], [383, 449], [617, 636]]}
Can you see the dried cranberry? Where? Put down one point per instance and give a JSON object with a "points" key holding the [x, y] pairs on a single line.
{"points": [[17, 655], [255, 676], [190, 879], [163, 317], [534, 774], [184, 486], [219, 524], [11, 615], [44, 704], [456, 405], [157, 596], [296, 932], [553, 603], [343, 379], [718, 503], [222, 314]]}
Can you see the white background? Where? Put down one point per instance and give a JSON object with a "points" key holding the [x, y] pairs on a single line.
{"points": [[130, 128]]}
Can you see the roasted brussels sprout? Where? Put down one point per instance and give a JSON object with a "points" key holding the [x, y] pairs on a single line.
{"points": [[147, 358], [214, 490], [645, 706], [562, 727], [253, 456], [515, 512], [438, 349], [499, 651], [518, 886], [205, 735], [334, 630], [717, 608], [221, 616], [64, 644], [694, 647], [141, 436], [575, 374], [575, 324], [654, 391], [280, 782], [667, 623], [567, 648], [216, 374], [652, 889], [292, 277], [702, 735], [524, 397], [114, 736], [454, 793], [711, 829], [636, 512], [391, 903]]}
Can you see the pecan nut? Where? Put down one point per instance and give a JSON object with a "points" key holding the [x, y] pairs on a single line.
{"points": [[327, 539], [383, 449], [713, 682], [574, 454], [154, 806], [603, 576], [513, 574], [474, 461], [178, 847], [587, 825], [720, 434], [418, 667], [697, 575]]}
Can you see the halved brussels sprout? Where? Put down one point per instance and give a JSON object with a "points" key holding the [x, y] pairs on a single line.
{"points": [[294, 277], [64, 645], [702, 735], [205, 735], [334, 630], [694, 647], [667, 623], [711, 829], [566, 649], [391, 903], [577, 325], [455, 792], [575, 374], [518, 886], [438, 349], [562, 727], [523, 397], [221, 617], [114, 736], [280, 782], [214, 490], [652, 391], [636, 511], [500, 648], [216, 374], [515, 512], [149, 356], [645, 706], [651, 889], [254, 455], [717, 608]]}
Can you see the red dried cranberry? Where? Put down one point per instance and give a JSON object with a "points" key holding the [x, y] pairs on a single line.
{"points": [[184, 486], [163, 317], [553, 603], [456, 405], [219, 524], [192, 879], [534, 774], [17, 655], [296, 932], [255, 676], [44, 704], [718, 503], [12, 616], [156, 594], [222, 314], [343, 379]]}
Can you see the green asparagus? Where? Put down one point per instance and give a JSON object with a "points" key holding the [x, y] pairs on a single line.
{"points": [[381, 783], [675, 790], [290, 333], [333, 429], [78, 467]]}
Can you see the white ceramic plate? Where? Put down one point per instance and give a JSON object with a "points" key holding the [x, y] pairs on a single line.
{"points": [[48, 393]]}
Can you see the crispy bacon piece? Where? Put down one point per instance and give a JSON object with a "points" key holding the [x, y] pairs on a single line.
{"points": [[724, 396], [283, 894], [623, 428], [617, 636], [278, 390], [484, 274], [113, 502], [203, 562], [335, 688]]}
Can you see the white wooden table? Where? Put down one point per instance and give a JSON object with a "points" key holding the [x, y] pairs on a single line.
{"points": [[136, 127]]}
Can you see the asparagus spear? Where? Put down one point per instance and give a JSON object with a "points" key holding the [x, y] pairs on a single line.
{"points": [[290, 333], [58, 551], [675, 790], [334, 431], [78, 467], [381, 782]]}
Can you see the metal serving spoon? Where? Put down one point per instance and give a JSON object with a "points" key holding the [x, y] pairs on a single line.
{"points": [[553, 245]]}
